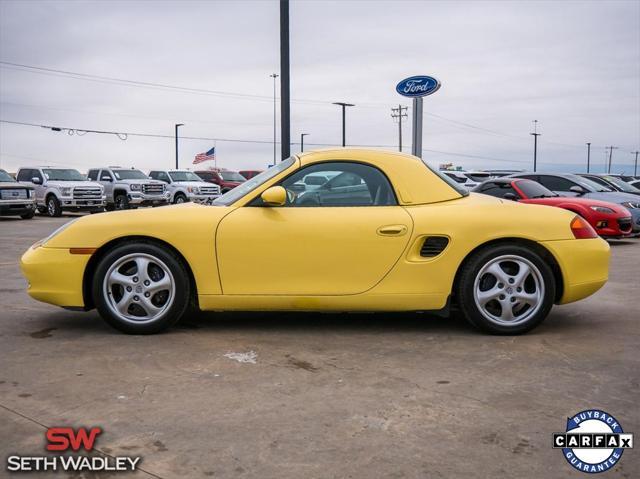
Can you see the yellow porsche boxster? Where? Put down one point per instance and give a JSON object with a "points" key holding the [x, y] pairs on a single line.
{"points": [[337, 230]]}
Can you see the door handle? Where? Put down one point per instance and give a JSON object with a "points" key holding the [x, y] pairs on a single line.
{"points": [[392, 230]]}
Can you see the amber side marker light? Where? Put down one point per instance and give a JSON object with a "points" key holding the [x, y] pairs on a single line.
{"points": [[581, 229], [82, 250]]}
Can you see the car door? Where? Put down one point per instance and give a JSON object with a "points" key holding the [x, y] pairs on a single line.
{"points": [[106, 180], [314, 248]]}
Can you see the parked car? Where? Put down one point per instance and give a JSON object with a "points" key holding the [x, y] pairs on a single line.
{"points": [[608, 219], [635, 184], [16, 199], [62, 189], [248, 174], [501, 172], [129, 188], [225, 179], [478, 176], [614, 183], [573, 185], [185, 185], [419, 242], [460, 177]]}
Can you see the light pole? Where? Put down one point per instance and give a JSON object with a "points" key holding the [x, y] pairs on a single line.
{"points": [[302, 135], [344, 107], [588, 155], [535, 135], [177, 125], [635, 166], [274, 76]]}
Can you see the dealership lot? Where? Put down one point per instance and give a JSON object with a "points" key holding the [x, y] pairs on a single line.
{"points": [[318, 395]]}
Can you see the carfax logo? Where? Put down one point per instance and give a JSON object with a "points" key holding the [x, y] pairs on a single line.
{"points": [[593, 441], [65, 440]]}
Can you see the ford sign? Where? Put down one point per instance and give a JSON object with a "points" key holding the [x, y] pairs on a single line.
{"points": [[420, 85]]}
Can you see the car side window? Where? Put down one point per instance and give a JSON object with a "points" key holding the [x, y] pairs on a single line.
{"points": [[35, 174], [556, 183], [499, 190], [338, 184], [93, 175], [153, 175], [23, 175], [163, 176]]}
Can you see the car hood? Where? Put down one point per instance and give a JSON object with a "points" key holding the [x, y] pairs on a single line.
{"points": [[11, 184], [192, 183], [582, 201], [190, 220], [73, 183], [613, 197]]}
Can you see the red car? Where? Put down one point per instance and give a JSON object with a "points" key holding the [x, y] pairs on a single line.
{"points": [[608, 219], [248, 174], [227, 179]]}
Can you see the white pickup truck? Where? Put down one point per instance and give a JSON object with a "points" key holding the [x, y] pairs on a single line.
{"points": [[62, 189], [127, 188], [185, 185], [16, 199]]}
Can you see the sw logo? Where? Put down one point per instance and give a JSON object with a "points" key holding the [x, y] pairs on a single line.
{"points": [[65, 438], [593, 441]]}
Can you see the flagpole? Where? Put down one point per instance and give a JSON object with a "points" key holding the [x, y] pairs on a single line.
{"points": [[215, 156]]}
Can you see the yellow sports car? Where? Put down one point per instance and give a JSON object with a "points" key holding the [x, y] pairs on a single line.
{"points": [[337, 230]]}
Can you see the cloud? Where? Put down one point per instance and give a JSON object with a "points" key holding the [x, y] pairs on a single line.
{"points": [[574, 66]]}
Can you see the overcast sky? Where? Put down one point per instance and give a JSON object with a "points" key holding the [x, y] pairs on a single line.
{"points": [[572, 65]]}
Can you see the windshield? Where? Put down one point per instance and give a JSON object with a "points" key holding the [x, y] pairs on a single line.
{"points": [[451, 182], [4, 176], [248, 186], [184, 176], [130, 175], [623, 185], [232, 176], [60, 174], [588, 184], [531, 189]]}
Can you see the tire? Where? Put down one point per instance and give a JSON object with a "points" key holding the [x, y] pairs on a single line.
{"points": [[93, 212], [120, 291], [506, 289], [121, 202], [29, 215], [53, 207], [109, 207], [179, 199]]}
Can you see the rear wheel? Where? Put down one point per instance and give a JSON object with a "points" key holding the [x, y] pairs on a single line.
{"points": [[29, 215], [141, 288], [53, 207], [507, 289]]}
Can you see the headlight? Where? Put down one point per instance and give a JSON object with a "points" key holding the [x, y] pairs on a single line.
{"points": [[193, 189], [631, 204], [58, 231], [66, 191], [601, 209], [136, 187]]}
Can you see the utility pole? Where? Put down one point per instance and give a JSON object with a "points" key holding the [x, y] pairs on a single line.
{"points": [[588, 155], [344, 106], [285, 107], [535, 135], [398, 113], [610, 148], [635, 166], [302, 135], [177, 125], [274, 76]]}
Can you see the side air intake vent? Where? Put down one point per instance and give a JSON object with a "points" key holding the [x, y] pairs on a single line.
{"points": [[433, 246]]}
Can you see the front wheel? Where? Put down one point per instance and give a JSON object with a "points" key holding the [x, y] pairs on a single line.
{"points": [[141, 288], [29, 215], [507, 289], [121, 202], [53, 207], [179, 199]]}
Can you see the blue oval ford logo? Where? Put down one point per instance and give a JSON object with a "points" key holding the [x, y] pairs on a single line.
{"points": [[420, 85]]}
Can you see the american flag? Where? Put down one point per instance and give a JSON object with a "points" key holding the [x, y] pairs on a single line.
{"points": [[209, 155]]}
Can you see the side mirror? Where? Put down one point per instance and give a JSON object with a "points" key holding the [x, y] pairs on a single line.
{"points": [[577, 189], [510, 197], [36, 181], [274, 196], [106, 178]]}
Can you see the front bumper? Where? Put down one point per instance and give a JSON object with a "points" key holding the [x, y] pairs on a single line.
{"points": [[54, 275], [610, 227], [16, 208], [584, 264], [203, 199], [140, 199], [83, 204]]}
